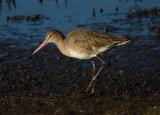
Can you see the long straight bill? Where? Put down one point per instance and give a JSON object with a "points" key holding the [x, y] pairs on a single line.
{"points": [[40, 47]]}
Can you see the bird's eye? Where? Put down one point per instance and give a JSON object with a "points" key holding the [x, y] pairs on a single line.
{"points": [[50, 35]]}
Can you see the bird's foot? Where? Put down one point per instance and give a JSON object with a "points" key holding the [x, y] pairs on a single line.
{"points": [[91, 84], [88, 90], [90, 87]]}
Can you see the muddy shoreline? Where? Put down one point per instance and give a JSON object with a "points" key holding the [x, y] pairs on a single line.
{"points": [[54, 84]]}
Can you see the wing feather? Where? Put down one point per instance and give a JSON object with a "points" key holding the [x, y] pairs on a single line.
{"points": [[90, 41]]}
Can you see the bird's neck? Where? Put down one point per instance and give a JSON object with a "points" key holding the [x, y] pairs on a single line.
{"points": [[61, 46]]}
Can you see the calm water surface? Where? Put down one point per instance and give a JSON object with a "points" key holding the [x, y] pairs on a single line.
{"points": [[66, 15]]}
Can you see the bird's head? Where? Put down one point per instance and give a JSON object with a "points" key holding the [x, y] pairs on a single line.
{"points": [[52, 36]]}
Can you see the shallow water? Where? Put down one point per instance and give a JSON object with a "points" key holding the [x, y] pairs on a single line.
{"points": [[66, 15]]}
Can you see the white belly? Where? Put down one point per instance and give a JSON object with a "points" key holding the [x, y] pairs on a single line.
{"points": [[78, 55], [81, 55]]}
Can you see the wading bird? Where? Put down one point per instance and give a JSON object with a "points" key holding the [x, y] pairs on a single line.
{"points": [[83, 44]]}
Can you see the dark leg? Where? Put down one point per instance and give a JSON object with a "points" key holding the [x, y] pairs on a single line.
{"points": [[96, 75]]}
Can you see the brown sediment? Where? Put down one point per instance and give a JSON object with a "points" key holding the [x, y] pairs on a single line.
{"points": [[50, 83]]}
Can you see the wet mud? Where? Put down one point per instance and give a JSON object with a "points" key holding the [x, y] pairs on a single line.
{"points": [[55, 84]]}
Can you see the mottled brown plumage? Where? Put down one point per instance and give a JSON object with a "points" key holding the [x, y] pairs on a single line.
{"points": [[83, 44], [90, 41]]}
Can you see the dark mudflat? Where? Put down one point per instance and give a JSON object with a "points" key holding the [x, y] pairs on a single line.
{"points": [[53, 84]]}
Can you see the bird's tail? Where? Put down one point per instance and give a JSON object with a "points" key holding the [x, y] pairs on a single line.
{"points": [[122, 40]]}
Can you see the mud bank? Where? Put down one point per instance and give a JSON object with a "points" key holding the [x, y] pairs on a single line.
{"points": [[54, 84]]}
